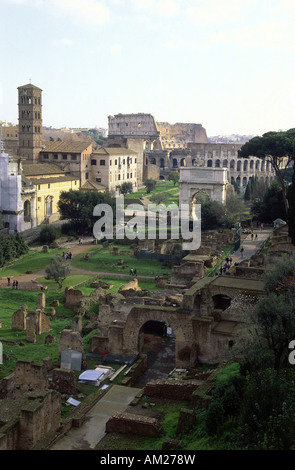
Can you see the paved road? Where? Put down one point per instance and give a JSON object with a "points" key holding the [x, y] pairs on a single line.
{"points": [[252, 246], [92, 430]]}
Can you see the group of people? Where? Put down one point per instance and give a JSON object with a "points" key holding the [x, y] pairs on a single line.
{"points": [[14, 284], [252, 236], [67, 255], [133, 272], [226, 266]]}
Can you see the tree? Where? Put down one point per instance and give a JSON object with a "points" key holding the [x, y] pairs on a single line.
{"points": [[77, 206], [160, 198], [174, 177], [125, 188], [58, 270], [214, 215], [234, 204], [275, 311], [49, 233], [278, 148], [247, 195], [272, 206], [150, 185]]}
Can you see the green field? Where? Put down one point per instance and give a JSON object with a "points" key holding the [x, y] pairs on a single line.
{"points": [[103, 260], [35, 260]]}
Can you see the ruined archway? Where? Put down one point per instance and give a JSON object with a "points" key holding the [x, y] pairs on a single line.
{"points": [[185, 343]]}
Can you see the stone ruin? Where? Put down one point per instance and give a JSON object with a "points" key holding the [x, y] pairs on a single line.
{"points": [[30, 397], [34, 322]]}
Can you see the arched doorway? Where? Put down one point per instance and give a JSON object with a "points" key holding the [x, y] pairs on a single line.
{"points": [[27, 211], [221, 302]]}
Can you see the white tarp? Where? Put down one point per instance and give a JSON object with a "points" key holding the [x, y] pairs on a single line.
{"points": [[91, 375]]}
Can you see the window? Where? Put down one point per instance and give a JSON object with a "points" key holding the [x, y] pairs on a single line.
{"points": [[39, 199], [45, 156], [116, 162], [75, 183], [86, 176], [55, 156], [48, 185], [64, 156], [39, 186], [102, 162], [73, 156], [98, 180], [93, 162], [119, 177], [110, 162]]}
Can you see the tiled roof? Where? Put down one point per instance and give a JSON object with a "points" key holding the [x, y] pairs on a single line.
{"points": [[41, 169], [53, 179], [90, 185], [64, 146], [29, 85]]}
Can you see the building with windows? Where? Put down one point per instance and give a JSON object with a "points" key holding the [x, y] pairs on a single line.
{"points": [[42, 185], [112, 166], [71, 157]]}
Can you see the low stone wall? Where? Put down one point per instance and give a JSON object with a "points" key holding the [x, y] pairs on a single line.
{"points": [[249, 272], [135, 371], [171, 389], [128, 423]]}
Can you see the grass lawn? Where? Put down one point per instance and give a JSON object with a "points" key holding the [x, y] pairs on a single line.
{"points": [[35, 260], [12, 300], [160, 187], [104, 261]]}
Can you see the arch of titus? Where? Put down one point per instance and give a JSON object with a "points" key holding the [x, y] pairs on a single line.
{"points": [[193, 180]]}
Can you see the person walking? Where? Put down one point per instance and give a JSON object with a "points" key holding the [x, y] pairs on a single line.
{"points": [[242, 252]]}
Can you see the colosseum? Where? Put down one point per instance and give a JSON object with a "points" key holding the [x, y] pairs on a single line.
{"points": [[240, 171], [172, 146]]}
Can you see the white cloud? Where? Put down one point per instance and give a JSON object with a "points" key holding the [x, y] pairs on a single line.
{"points": [[218, 11], [158, 7], [63, 42], [270, 35], [89, 11], [116, 49]]}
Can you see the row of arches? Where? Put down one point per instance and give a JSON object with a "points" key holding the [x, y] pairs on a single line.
{"points": [[241, 165], [235, 165], [243, 181]]}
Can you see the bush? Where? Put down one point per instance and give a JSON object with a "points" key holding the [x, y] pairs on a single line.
{"points": [[215, 417], [48, 234], [69, 229]]}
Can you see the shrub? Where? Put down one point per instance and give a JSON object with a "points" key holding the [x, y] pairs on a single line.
{"points": [[48, 234], [215, 417]]}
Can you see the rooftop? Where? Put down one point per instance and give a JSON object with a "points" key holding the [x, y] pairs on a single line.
{"points": [[41, 169], [63, 146]]}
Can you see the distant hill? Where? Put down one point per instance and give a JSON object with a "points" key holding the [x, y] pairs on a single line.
{"points": [[233, 138]]}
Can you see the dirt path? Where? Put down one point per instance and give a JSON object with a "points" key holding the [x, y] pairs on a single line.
{"points": [[28, 281]]}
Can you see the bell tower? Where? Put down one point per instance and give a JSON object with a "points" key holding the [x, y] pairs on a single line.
{"points": [[30, 121]]}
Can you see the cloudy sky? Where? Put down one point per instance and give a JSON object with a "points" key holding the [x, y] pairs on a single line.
{"points": [[227, 64]]}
